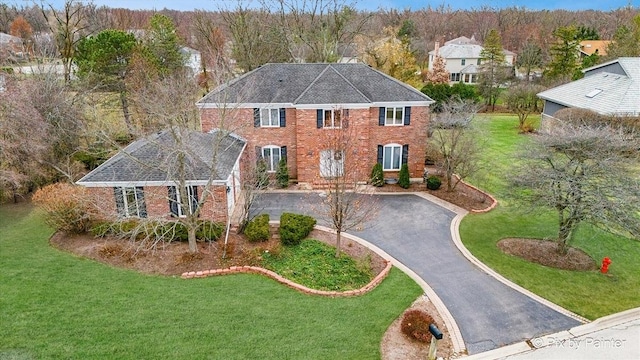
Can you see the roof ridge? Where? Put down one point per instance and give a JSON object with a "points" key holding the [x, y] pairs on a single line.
{"points": [[295, 101], [231, 82], [349, 82]]}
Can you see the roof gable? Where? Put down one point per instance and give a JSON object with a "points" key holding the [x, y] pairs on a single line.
{"points": [[313, 84]]}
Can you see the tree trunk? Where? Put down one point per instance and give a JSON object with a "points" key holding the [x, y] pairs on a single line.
{"points": [[338, 238], [564, 234], [125, 110], [193, 246]]}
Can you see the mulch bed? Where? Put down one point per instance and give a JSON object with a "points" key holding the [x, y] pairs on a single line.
{"points": [[545, 253], [173, 259]]}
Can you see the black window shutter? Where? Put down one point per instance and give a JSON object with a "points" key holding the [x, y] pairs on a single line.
{"points": [[256, 117], [142, 206], [194, 199], [319, 118], [405, 153], [380, 153], [173, 200], [283, 153], [117, 192], [407, 115], [345, 118], [258, 153], [283, 117], [381, 116]]}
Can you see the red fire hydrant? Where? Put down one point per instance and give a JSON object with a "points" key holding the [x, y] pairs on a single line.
{"points": [[605, 265]]}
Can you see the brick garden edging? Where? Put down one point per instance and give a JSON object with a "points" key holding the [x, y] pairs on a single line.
{"points": [[262, 271]]}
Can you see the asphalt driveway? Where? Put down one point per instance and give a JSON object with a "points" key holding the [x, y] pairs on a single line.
{"points": [[417, 233]]}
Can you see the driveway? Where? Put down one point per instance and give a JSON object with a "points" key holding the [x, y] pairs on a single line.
{"points": [[417, 233]]}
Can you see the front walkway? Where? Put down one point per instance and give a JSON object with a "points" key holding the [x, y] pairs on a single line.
{"points": [[418, 233]]}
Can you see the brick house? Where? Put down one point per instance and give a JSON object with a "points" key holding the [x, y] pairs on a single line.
{"points": [[288, 110], [142, 179]]}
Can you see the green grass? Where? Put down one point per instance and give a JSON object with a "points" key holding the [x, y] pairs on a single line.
{"points": [[314, 265], [56, 305], [589, 294]]}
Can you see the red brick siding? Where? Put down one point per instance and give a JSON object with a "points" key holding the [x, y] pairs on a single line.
{"points": [[157, 203], [304, 140], [241, 122]]}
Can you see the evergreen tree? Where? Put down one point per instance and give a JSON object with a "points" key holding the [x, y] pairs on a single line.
{"points": [[492, 71], [377, 175], [564, 54], [163, 45], [403, 178], [626, 41], [282, 174]]}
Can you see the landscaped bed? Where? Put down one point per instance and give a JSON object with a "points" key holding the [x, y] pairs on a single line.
{"points": [[56, 305]]}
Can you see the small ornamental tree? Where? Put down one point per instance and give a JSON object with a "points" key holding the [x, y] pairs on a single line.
{"points": [[377, 175], [282, 174], [403, 178], [439, 73]]}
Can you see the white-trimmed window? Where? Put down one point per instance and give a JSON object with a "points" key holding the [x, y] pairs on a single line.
{"points": [[272, 155], [394, 116], [332, 118], [331, 163], [392, 157], [455, 77], [181, 208], [270, 117], [463, 62], [130, 201]]}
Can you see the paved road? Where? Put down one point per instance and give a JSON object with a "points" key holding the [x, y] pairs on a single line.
{"points": [[417, 232]]}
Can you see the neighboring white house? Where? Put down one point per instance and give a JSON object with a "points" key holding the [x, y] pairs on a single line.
{"points": [[462, 59], [192, 59]]}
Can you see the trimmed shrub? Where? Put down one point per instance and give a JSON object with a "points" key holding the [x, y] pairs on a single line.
{"points": [[209, 230], [282, 174], [415, 325], [433, 183], [66, 207], [294, 228], [258, 228], [403, 178], [377, 175]]}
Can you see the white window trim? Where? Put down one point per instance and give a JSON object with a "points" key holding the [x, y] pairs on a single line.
{"points": [[383, 157], [395, 108], [270, 163], [270, 119], [333, 118], [125, 201], [189, 190]]}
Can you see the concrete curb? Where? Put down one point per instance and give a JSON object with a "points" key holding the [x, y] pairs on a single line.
{"points": [[545, 341], [449, 321], [455, 234]]}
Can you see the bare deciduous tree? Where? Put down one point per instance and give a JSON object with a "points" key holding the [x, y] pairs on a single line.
{"points": [[456, 142], [522, 99], [585, 172], [347, 204]]}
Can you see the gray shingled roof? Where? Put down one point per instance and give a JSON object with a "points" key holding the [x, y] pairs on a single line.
{"points": [[154, 159], [314, 84], [619, 95]]}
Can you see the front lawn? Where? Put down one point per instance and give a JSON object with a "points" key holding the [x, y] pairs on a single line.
{"points": [[56, 305], [589, 294]]}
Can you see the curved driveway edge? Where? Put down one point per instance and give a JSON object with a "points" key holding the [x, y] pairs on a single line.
{"points": [[455, 234], [416, 230]]}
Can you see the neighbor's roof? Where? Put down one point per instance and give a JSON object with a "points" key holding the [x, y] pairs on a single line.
{"points": [[313, 84], [152, 161], [6, 38], [590, 47], [602, 90]]}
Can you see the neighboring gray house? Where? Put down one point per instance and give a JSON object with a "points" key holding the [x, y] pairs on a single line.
{"points": [[192, 59], [612, 88], [462, 59], [140, 181]]}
